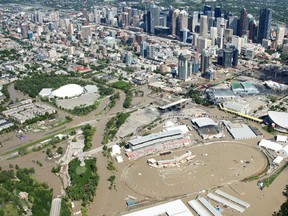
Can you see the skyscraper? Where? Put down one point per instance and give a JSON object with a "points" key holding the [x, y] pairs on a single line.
{"points": [[182, 21], [204, 62], [128, 58], [206, 9], [280, 35], [213, 35], [24, 29], [185, 67], [153, 16], [218, 12], [252, 30], [143, 49], [174, 19], [233, 24], [228, 57], [242, 30], [203, 26], [194, 20], [264, 24], [125, 20]]}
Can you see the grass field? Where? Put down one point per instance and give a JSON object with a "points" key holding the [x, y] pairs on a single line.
{"points": [[121, 85]]}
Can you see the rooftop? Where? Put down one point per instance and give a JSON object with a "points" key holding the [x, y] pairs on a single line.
{"points": [[240, 131], [176, 207], [154, 136], [203, 121], [236, 85], [279, 118]]}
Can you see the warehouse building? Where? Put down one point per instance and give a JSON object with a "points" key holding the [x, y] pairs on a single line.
{"points": [[207, 128]]}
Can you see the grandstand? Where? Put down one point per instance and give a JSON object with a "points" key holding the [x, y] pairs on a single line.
{"points": [[155, 138], [152, 149]]}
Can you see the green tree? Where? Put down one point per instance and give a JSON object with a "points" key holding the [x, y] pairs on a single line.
{"points": [[59, 150], [49, 153]]}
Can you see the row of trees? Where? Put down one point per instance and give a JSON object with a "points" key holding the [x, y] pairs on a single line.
{"points": [[113, 99], [88, 132], [84, 110], [113, 126], [284, 207], [126, 87], [41, 118]]}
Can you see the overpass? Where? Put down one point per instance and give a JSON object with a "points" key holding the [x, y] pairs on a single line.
{"points": [[241, 114]]}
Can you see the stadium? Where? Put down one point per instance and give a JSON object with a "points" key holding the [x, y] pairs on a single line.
{"points": [[279, 120], [68, 91]]}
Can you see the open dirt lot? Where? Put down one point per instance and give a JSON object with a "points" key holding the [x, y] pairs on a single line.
{"points": [[83, 100]]}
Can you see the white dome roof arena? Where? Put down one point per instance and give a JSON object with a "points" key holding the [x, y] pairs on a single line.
{"points": [[68, 91]]}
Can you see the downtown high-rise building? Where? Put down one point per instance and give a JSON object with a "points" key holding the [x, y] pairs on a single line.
{"points": [[203, 26], [242, 29], [252, 28], [153, 16], [264, 24], [217, 11], [185, 67], [206, 9], [233, 24], [213, 35], [173, 21], [24, 29], [182, 21], [143, 49], [194, 21], [280, 33]]}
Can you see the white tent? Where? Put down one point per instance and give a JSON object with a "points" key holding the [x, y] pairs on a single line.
{"points": [[270, 145], [119, 159], [283, 151], [115, 150], [278, 160], [183, 128], [281, 138]]}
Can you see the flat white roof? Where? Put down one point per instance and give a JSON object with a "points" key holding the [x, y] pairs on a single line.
{"points": [[154, 136], [285, 149], [174, 103], [278, 160], [270, 145], [232, 198], [45, 91], [183, 128], [240, 131], [209, 206], [279, 118], [198, 208], [174, 208], [281, 138], [203, 121], [225, 202]]}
